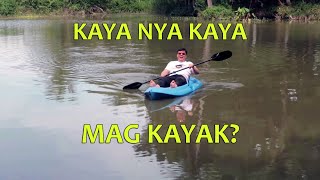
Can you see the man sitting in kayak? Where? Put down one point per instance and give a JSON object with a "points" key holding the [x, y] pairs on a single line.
{"points": [[179, 78]]}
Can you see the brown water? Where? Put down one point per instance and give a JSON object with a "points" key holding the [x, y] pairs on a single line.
{"points": [[51, 85]]}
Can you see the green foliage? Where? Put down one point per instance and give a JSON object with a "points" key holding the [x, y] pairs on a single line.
{"points": [[284, 11], [116, 6], [42, 5], [142, 5], [8, 7], [315, 11], [221, 10], [300, 9], [75, 7], [128, 5], [242, 12], [218, 12], [200, 5]]}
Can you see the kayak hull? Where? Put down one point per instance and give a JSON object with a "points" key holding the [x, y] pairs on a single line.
{"points": [[154, 93]]}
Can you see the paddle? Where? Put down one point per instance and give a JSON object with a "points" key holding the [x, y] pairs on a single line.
{"points": [[216, 57]]}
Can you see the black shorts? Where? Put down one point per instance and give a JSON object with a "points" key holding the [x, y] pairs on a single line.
{"points": [[165, 81]]}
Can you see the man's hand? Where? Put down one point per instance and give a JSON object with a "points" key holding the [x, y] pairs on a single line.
{"points": [[195, 69]]}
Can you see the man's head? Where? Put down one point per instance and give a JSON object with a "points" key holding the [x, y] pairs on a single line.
{"points": [[182, 54]]}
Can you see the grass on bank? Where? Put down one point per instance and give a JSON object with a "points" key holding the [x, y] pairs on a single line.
{"points": [[299, 11], [35, 8]]}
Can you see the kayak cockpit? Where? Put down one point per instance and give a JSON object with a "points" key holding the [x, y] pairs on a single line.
{"points": [[156, 93]]}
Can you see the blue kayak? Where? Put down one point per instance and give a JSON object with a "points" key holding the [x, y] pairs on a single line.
{"points": [[156, 93]]}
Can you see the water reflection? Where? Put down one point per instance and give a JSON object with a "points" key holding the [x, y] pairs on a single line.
{"points": [[253, 157], [186, 107], [270, 88]]}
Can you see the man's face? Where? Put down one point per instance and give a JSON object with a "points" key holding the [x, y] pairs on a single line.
{"points": [[181, 56]]}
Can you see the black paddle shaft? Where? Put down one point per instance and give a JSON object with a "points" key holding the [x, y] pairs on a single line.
{"points": [[178, 70], [216, 57]]}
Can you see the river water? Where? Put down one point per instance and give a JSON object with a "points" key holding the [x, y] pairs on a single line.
{"points": [[52, 85]]}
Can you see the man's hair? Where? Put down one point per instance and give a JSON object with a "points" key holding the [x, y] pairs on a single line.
{"points": [[183, 49]]}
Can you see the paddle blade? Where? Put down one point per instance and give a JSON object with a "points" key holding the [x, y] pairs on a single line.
{"points": [[221, 56], [135, 85]]}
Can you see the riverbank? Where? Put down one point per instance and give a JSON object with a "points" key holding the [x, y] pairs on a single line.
{"points": [[298, 12]]}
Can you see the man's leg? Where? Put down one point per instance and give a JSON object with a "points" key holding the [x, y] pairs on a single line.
{"points": [[180, 80], [165, 81], [153, 84]]}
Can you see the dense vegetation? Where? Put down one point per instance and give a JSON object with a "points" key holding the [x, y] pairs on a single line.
{"points": [[207, 9]]}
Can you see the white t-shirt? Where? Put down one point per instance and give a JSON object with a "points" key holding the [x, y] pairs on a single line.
{"points": [[176, 65]]}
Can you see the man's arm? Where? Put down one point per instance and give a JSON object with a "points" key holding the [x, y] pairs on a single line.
{"points": [[164, 73], [166, 70], [195, 70]]}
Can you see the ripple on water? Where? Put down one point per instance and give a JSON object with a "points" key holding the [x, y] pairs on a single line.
{"points": [[222, 85]]}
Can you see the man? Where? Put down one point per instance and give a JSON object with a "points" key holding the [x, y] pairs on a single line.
{"points": [[179, 78]]}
